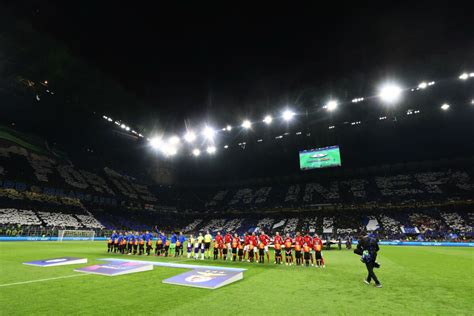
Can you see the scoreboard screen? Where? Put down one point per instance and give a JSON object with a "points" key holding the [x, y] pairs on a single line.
{"points": [[320, 158]]}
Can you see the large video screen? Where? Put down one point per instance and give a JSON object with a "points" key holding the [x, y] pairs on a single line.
{"points": [[320, 158]]}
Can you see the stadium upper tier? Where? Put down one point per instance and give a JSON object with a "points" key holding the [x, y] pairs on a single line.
{"points": [[40, 187], [30, 171]]}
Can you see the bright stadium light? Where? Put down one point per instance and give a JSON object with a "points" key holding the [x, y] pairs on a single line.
{"points": [[331, 105], [390, 93], [445, 107], [226, 146], [123, 126], [268, 119], [156, 142], [228, 128], [288, 115], [246, 124], [464, 76], [208, 133], [196, 152], [171, 151], [211, 150], [422, 85], [190, 137], [167, 149], [174, 140]]}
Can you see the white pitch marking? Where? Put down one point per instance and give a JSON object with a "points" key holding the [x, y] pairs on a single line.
{"points": [[44, 280]]}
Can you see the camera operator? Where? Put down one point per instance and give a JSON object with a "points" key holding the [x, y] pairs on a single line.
{"points": [[367, 248]]}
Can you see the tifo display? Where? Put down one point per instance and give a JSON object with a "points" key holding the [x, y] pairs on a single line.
{"points": [[320, 158]]}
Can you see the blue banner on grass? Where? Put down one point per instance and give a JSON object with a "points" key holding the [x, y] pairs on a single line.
{"points": [[205, 278]]}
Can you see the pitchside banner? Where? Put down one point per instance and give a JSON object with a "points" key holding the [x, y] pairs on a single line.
{"points": [[56, 262], [115, 268], [423, 243], [205, 278], [33, 238]]}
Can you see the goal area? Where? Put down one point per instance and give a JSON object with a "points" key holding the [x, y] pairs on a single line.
{"points": [[76, 235]]}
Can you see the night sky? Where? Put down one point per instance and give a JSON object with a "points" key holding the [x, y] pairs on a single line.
{"points": [[199, 62], [183, 59]]}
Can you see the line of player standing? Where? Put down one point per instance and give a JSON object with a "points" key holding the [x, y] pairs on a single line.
{"points": [[252, 248]]}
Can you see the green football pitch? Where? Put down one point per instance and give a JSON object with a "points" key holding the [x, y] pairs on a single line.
{"points": [[416, 280]]}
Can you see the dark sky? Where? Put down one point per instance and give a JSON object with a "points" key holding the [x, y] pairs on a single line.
{"points": [[189, 60], [222, 63]]}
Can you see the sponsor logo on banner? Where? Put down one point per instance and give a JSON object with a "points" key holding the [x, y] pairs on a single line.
{"points": [[116, 268], [205, 278], [56, 262]]}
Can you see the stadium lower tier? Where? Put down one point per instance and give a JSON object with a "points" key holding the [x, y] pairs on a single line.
{"points": [[427, 224]]}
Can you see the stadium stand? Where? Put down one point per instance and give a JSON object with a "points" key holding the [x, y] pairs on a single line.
{"points": [[41, 191], [19, 217]]}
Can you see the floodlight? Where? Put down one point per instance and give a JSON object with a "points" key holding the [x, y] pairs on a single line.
{"points": [[171, 151], [288, 115], [190, 137], [167, 149], [390, 93], [445, 107], [208, 132], [211, 150], [268, 119], [464, 76], [156, 142], [331, 105], [196, 152], [422, 85], [228, 128], [246, 124], [174, 140]]}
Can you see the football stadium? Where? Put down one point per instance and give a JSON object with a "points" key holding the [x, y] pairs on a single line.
{"points": [[230, 160]]}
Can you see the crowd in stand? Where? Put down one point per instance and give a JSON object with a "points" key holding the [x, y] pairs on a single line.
{"points": [[432, 225], [417, 205]]}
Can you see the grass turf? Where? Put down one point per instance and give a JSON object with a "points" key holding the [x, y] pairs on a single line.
{"points": [[416, 280]]}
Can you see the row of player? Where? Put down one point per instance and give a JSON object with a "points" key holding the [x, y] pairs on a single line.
{"points": [[252, 248]]}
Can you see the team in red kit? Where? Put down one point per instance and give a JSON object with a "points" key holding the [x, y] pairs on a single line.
{"points": [[300, 250]]}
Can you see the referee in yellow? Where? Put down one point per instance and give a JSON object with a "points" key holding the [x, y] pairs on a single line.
{"points": [[207, 244]]}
